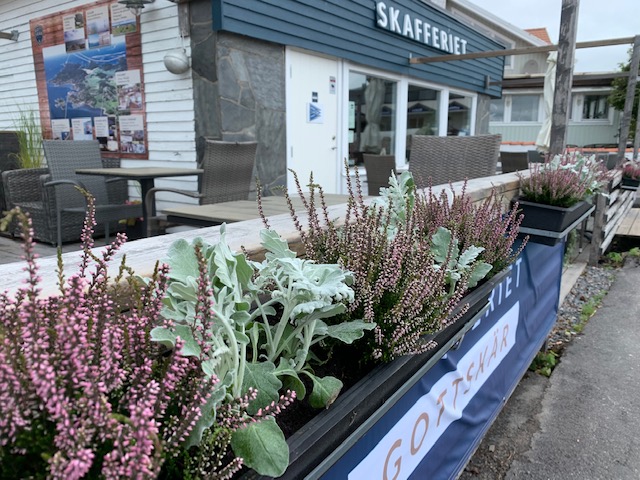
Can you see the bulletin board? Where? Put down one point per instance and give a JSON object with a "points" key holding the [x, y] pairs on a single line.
{"points": [[88, 63]]}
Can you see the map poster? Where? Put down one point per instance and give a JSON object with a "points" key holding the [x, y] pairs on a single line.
{"points": [[87, 66], [129, 90], [82, 128], [82, 84], [131, 134], [73, 27], [98, 27], [123, 20], [60, 128]]}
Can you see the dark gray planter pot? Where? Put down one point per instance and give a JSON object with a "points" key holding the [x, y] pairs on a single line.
{"points": [[549, 217], [548, 224], [630, 183]]}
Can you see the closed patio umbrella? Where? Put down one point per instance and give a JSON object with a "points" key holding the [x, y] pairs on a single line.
{"points": [[374, 98], [544, 136]]}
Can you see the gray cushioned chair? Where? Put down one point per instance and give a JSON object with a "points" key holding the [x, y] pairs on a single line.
{"points": [[440, 160], [63, 159], [379, 168], [26, 188], [513, 161], [535, 156], [9, 148], [228, 174]]}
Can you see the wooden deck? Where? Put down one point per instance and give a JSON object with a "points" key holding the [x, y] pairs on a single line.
{"points": [[630, 226]]}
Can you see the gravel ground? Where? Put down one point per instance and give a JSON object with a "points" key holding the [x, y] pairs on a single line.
{"points": [[590, 286], [510, 435]]}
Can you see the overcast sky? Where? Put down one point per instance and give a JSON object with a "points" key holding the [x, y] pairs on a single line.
{"points": [[597, 20]]}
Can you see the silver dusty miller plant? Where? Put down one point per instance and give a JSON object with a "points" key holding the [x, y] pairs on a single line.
{"points": [[261, 325]]}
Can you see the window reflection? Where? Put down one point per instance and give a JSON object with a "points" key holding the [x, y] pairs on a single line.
{"points": [[372, 110], [459, 115], [595, 107], [422, 113], [524, 108]]}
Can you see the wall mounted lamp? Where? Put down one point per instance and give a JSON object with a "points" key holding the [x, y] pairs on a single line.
{"points": [[135, 6], [177, 61], [13, 35]]}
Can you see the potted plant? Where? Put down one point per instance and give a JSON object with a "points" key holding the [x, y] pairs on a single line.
{"points": [[240, 322], [277, 321], [30, 154], [556, 194], [631, 175]]}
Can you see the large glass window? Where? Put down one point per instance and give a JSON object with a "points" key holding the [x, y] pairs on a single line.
{"points": [[459, 115], [422, 113], [595, 107], [385, 112], [525, 108], [372, 113], [422, 110]]}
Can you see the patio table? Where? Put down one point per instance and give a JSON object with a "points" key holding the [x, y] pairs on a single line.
{"points": [[145, 176], [239, 210]]}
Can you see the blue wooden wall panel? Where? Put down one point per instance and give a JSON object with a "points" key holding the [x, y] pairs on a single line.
{"points": [[347, 29]]}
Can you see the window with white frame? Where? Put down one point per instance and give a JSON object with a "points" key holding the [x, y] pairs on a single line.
{"points": [[595, 107], [496, 110], [590, 107], [516, 108], [399, 107], [525, 108]]}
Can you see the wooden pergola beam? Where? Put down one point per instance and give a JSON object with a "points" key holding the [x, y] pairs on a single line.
{"points": [[564, 76], [625, 120], [13, 35], [519, 51]]}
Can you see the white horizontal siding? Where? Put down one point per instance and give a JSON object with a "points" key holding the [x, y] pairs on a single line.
{"points": [[169, 97]]}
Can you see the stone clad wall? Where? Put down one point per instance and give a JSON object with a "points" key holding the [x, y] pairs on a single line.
{"points": [[239, 90]]}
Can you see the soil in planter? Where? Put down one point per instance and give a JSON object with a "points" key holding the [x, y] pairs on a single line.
{"points": [[346, 364]]}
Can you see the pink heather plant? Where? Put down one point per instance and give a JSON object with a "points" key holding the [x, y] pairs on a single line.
{"points": [[631, 170], [563, 181], [395, 282], [84, 392], [483, 224]]}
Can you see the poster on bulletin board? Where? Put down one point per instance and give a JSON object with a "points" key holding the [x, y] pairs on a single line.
{"points": [[88, 65]]}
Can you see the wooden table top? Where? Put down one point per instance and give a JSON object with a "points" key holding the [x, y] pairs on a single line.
{"points": [[240, 210], [140, 172]]}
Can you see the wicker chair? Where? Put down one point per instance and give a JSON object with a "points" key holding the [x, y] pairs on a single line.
{"points": [[29, 189], [379, 168], [228, 173], [64, 158], [513, 161], [535, 156], [440, 160], [9, 147]]}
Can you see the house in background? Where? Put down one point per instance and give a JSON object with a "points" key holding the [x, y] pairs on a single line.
{"points": [[519, 114]]}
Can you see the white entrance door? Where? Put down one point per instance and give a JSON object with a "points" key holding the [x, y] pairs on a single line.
{"points": [[312, 120]]}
